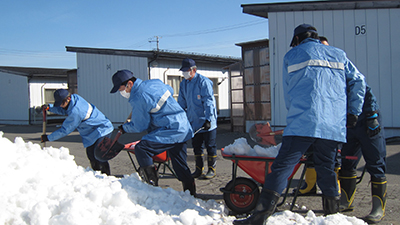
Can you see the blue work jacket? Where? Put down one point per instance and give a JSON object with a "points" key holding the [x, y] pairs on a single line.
{"points": [[320, 83], [83, 116], [196, 97], [154, 109]]}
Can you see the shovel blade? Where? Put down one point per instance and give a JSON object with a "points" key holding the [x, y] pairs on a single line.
{"points": [[262, 134], [107, 150]]}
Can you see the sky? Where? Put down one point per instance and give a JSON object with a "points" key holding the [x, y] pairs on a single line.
{"points": [[35, 33], [46, 186]]}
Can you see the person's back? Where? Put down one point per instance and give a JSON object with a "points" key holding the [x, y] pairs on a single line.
{"points": [[315, 80], [155, 110], [85, 117]]}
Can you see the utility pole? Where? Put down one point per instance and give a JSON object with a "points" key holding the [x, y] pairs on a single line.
{"points": [[158, 41]]}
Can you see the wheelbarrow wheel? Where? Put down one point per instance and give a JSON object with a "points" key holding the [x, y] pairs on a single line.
{"points": [[241, 203]]}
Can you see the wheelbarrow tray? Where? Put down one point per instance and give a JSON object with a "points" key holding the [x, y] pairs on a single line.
{"points": [[255, 166]]}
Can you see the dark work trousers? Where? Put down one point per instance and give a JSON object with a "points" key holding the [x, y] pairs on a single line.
{"points": [[145, 150], [94, 163], [373, 149], [292, 149], [208, 138]]}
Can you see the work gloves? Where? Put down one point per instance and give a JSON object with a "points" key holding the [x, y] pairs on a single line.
{"points": [[351, 120], [121, 128], [207, 125], [373, 126], [45, 106], [44, 138]]}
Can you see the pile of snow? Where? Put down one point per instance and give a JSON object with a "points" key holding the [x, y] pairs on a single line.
{"points": [[241, 147], [45, 186]]}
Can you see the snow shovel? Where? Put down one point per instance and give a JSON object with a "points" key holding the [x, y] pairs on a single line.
{"points": [[263, 134], [107, 148], [44, 109]]}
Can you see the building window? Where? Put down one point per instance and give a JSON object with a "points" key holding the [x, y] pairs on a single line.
{"points": [[49, 96], [174, 82], [215, 90]]}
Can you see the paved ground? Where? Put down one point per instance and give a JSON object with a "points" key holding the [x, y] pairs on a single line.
{"points": [[209, 189]]}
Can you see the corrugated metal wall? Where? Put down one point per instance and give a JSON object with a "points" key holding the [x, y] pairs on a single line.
{"points": [[94, 81], [369, 37]]}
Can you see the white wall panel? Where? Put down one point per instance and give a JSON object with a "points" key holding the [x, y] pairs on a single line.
{"points": [[37, 88], [14, 99], [385, 73], [374, 50], [171, 68], [394, 28]]}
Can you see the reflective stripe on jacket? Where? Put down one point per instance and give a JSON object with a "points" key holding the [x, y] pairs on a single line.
{"points": [[154, 109], [196, 97], [83, 116], [320, 86]]}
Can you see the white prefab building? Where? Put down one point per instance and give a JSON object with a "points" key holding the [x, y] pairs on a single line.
{"points": [[96, 66], [22, 89], [369, 32]]}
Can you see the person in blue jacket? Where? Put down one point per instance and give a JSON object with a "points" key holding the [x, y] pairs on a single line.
{"points": [[320, 84], [91, 124], [365, 139], [196, 97], [156, 111]]}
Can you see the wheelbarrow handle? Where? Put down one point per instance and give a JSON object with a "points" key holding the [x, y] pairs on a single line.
{"points": [[351, 157]]}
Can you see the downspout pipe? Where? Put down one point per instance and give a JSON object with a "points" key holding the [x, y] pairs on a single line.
{"points": [[155, 57]]}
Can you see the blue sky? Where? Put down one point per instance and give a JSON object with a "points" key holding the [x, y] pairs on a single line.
{"points": [[35, 33]]}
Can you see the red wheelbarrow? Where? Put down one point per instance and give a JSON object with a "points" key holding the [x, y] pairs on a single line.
{"points": [[241, 194], [161, 159]]}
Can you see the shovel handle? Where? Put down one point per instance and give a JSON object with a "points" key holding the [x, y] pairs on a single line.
{"points": [[44, 122], [119, 133], [197, 131]]}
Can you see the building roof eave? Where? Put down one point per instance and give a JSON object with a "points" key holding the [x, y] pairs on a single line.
{"points": [[263, 9], [162, 54]]}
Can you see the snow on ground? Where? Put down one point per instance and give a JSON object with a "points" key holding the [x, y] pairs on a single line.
{"points": [[45, 186]]}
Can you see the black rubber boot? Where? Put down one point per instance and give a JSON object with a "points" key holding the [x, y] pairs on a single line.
{"points": [[199, 166], [378, 191], [265, 207], [212, 164], [348, 181], [149, 174], [103, 167], [330, 204], [191, 186]]}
